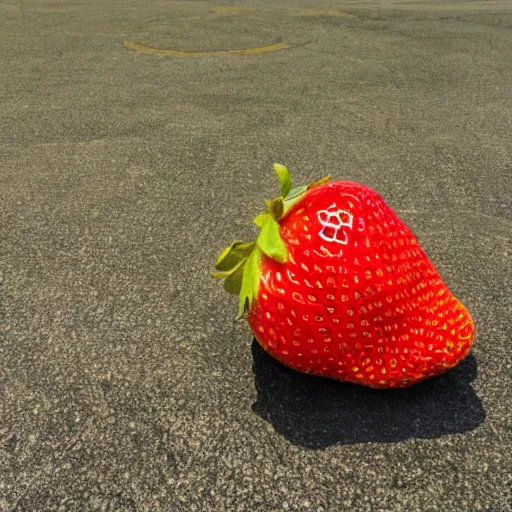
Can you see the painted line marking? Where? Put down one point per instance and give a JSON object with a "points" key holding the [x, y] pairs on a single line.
{"points": [[141, 48], [232, 8], [227, 9], [304, 11]]}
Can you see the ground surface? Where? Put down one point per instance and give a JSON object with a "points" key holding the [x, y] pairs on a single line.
{"points": [[126, 385]]}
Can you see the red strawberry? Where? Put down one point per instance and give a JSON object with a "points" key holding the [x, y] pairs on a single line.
{"points": [[337, 285]]}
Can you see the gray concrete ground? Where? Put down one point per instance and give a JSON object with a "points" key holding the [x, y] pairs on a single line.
{"points": [[126, 385]]}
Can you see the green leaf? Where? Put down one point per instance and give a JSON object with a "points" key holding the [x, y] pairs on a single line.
{"points": [[232, 255], [260, 219], [276, 208], [250, 282], [294, 197], [226, 273], [285, 179], [271, 243], [295, 192], [233, 282], [319, 182]]}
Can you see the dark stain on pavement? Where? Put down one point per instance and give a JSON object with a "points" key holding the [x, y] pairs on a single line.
{"points": [[316, 413]]}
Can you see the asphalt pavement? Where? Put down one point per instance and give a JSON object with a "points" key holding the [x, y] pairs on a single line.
{"points": [[136, 141]]}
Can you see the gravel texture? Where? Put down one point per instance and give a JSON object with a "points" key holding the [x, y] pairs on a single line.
{"points": [[126, 384]]}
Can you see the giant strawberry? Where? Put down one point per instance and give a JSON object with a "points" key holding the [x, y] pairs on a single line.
{"points": [[337, 285]]}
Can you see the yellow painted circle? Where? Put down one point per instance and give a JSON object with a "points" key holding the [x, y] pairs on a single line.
{"points": [[141, 48], [223, 30], [212, 33]]}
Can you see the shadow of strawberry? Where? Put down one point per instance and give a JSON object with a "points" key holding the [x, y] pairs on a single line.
{"points": [[317, 413]]}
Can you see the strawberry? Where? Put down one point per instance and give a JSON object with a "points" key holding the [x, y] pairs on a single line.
{"points": [[336, 285]]}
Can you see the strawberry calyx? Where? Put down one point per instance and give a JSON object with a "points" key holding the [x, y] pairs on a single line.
{"points": [[240, 263]]}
